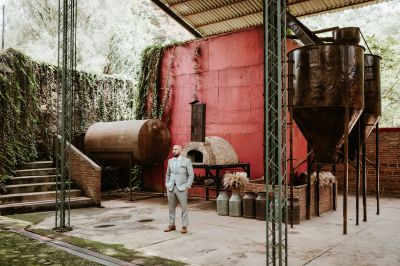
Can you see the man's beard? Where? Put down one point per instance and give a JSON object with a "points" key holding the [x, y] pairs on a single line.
{"points": [[176, 155]]}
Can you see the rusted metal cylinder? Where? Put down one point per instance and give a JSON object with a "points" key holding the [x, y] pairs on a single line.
{"points": [[372, 99], [147, 141], [372, 92], [249, 205], [322, 80], [261, 206], [350, 35]]}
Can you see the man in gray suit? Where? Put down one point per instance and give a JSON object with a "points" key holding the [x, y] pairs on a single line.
{"points": [[178, 180]]}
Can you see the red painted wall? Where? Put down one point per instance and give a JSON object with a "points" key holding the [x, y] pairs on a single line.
{"points": [[230, 81]]}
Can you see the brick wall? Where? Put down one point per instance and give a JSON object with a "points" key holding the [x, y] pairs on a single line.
{"points": [[86, 173], [325, 199], [300, 193], [389, 158]]}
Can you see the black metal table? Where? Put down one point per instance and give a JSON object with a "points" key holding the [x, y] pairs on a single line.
{"points": [[211, 168]]}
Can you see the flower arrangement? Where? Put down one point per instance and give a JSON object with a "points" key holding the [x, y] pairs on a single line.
{"points": [[235, 181], [325, 178]]}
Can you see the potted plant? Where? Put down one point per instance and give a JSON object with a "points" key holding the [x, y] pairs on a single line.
{"points": [[326, 178], [236, 182]]}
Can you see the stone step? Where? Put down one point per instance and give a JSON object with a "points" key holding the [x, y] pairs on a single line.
{"points": [[31, 179], [31, 187], [34, 196], [44, 205], [35, 165], [35, 172]]}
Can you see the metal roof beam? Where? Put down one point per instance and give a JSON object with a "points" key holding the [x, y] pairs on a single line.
{"points": [[177, 18], [178, 2], [226, 23], [294, 2], [210, 17], [342, 6], [206, 6], [218, 20]]}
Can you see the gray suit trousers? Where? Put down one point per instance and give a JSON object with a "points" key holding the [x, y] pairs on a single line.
{"points": [[181, 196]]}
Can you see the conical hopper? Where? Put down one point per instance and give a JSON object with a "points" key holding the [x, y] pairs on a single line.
{"points": [[323, 79], [372, 99]]}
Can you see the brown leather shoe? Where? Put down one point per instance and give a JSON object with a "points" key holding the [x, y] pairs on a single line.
{"points": [[184, 230], [170, 228]]}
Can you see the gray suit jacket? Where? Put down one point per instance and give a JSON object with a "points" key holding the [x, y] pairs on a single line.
{"points": [[182, 176]]}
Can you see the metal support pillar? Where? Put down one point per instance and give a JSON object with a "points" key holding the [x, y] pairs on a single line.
{"points": [[275, 128], [358, 173], [334, 186], [364, 174], [130, 175], [291, 168], [308, 188], [3, 26], [377, 166], [346, 167], [317, 198], [67, 64]]}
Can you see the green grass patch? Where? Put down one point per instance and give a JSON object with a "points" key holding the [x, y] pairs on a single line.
{"points": [[113, 250], [18, 250], [34, 218]]}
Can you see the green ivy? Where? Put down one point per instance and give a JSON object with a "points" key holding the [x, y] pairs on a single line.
{"points": [[3, 182], [150, 92], [136, 182], [18, 110], [96, 98], [28, 106], [149, 82]]}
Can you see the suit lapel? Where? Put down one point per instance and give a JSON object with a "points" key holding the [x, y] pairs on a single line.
{"points": [[173, 165], [178, 164], [174, 168]]}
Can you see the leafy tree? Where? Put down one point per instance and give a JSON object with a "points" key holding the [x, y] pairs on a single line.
{"points": [[390, 78], [110, 36]]}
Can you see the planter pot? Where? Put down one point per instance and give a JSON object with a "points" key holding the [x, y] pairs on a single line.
{"points": [[295, 213], [249, 205], [261, 206], [235, 204], [222, 203]]}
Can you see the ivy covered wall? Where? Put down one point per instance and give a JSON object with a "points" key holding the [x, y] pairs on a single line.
{"points": [[18, 110], [28, 106]]}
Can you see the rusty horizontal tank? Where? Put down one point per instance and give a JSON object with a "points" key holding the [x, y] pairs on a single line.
{"points": [[148, 141], [322, 80], [372, 101]]}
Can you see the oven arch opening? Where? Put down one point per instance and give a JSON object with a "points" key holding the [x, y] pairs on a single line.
{"points": [[195, 156]]}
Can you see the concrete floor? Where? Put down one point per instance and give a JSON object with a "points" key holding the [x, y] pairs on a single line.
{"points": [[221, 240]]}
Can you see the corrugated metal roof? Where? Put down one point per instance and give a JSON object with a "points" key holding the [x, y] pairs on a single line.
{"points": [[210, 17]]}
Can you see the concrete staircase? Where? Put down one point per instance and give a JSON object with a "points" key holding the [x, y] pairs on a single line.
{"points": [[33, 188]]}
